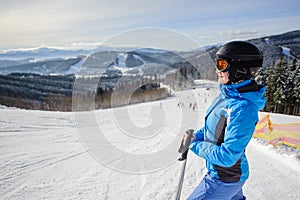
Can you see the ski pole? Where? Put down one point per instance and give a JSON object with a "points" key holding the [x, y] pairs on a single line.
{"points": [[179, 187], [184, 148]]}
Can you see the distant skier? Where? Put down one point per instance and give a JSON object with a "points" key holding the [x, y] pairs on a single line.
{"points": [[194, 106], [229, 123]]}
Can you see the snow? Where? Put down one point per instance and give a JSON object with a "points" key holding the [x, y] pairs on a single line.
{"points": [[267, 40], [74, 69], [44, 155], [123, 68], [286, 51], [277, 118]]}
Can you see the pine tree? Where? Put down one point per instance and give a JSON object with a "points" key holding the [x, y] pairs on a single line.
{"points": [[281, 77], [270, 89], [283, 87], [296, 91], [261, 77], [289, 91]]}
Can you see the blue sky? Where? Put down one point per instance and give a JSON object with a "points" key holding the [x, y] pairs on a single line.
{"points": [[74, 23]]}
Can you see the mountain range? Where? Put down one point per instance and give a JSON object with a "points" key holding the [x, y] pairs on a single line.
{"points": [[111, 61], [45, 78]]}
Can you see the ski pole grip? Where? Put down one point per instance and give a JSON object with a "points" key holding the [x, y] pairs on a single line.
{"points": [[186, 140], [190, 133]]}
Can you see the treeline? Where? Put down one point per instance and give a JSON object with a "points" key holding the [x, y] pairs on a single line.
{"points": [[36, 92], [283, 86], [56, 93], [121, 91], [184, 77]]}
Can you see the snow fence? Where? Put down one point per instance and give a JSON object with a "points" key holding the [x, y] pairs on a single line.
{"points": [[288, 134]]}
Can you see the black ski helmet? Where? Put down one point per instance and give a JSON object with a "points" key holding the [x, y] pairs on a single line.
{"points": [[244, 59]]}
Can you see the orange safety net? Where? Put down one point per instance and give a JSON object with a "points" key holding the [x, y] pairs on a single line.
{"points": [[288, 134]]}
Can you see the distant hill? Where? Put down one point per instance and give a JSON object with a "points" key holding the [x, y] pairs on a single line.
{"points": [[150, 61], [44, 78], [273, 46], [55, 66], [41, 53]]}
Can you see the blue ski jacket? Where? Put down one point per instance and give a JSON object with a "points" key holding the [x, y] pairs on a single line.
{"points": [[229, 124]]}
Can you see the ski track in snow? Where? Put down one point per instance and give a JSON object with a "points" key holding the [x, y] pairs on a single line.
{"points": [[41, 157]]}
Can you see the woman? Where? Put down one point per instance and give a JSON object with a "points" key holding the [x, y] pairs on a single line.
{"points": [[229, 123]]}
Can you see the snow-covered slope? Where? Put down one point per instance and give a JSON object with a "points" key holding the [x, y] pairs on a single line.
{"points": [[42, 155], [120, 64], [286, 51]]}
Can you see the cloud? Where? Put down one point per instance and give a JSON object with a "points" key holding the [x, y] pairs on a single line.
{"points": [[31, 23], [154, 37], [85, 45], [239, 32]]}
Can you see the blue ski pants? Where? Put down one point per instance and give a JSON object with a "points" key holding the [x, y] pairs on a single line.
{"points": [[211, 188]]}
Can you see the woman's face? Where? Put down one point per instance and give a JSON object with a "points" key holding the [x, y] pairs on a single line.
{"points": [[223, 77]]}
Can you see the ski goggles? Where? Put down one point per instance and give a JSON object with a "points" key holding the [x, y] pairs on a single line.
{"points": [[222, 65]]}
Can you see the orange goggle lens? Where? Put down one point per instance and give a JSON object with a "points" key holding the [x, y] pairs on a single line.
{"points": [[221, 65]]}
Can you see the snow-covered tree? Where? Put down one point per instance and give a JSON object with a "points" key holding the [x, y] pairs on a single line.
{"points": [[270, 89], [296, 90], [280, 82]]}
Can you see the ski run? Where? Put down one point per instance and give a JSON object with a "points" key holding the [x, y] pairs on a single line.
{"points": [[42, 155]]}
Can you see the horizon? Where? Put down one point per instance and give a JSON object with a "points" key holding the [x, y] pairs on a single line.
{"points": [[94, 46], [75, 24]]}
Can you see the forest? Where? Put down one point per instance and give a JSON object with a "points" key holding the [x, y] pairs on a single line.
{"points": [[283, 86], [58, 93]]}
